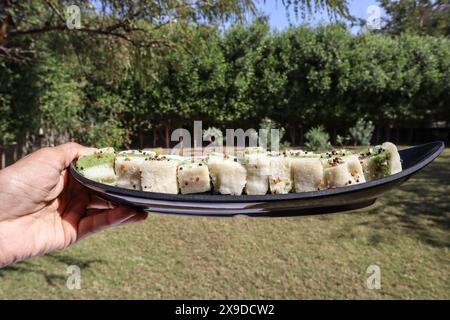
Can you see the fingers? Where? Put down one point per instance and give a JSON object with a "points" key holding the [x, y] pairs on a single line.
{"points": [[62, 182], [110, 218], [74, 201]]}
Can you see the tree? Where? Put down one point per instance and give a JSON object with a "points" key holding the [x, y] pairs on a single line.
{"points": [[104, 90], [114, 46], [134, 23], [431, 17]]}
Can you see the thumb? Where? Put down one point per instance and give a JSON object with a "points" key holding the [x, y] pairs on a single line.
{"points": [[68, 152]]}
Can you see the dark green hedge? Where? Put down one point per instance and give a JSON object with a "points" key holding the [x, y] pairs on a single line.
{"points": [[301, 77]]}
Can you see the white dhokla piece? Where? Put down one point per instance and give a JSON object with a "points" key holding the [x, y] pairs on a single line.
{"points": [[307, 173], [160, 175], [343, 171], [98, 165], [355, 168], [381, 161], [395, 162], [128, 167], [257, 166], [227, 175], [193, 177], [280, 177]]}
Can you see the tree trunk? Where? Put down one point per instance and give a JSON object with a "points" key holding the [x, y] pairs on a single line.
{"points": [[141, 138], [377, 136], [300, 142], [292, 134], [333, 136], [4, 28], [410, 136], [15, 153], [167, 134], [2, 158], [388, 134], [155, 135]]}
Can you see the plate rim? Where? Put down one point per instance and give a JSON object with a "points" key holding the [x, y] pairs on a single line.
{"points": [[436, 148]]}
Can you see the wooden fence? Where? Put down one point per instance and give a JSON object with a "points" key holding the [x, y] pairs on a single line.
{"points": [[402, 136]]}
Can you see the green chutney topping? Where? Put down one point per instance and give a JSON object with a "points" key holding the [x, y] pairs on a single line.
{"points": [[382, 164], [95, 159]]}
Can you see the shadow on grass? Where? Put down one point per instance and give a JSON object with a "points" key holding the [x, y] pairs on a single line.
{"points": [[53, 279], [421, 206]]}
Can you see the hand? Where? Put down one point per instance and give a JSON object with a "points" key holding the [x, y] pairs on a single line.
{"points": [[43, 209]]}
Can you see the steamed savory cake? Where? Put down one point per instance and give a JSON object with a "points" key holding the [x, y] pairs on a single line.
{"points": [[257, 165], [159, 174], [193, 177], [256, 172], [280, 176], [128, 167], [98, 165], [227, 174], [343, 170], [381, 161], [307, 173]]}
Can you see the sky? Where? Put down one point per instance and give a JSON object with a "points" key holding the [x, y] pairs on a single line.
{"points": [[276, 12]]}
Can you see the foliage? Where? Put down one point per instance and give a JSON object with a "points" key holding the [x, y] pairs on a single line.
{"points": [[341, 140], [431, 17], [242, 76], [361, 133], [317, 139], [132, 25], [6, 136]]}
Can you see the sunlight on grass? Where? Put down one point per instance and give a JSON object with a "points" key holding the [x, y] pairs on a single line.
{"points": [[406, 233]]}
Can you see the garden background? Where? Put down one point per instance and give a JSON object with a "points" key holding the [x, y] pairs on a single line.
{"points": [[135, 71]]}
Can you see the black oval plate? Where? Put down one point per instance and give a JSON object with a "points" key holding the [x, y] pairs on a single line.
{"points": [[292, 204]]}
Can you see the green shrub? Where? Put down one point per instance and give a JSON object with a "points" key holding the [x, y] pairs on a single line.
{"points": [[361, 133], [268, 124], [317, 139], [247, 75], [341, 140]]}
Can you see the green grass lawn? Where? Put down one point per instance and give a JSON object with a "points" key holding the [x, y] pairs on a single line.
{"points": [[406, 233]]}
